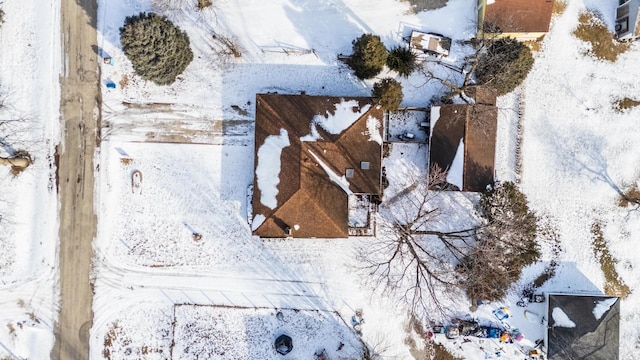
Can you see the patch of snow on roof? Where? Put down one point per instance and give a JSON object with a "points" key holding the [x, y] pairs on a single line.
{"points": [[561, 319], [373, 127], [602, 307], [435, 115], [313, 135], [454, 175], [257, 221], [345, 114], [340, 180], [268, 169]]}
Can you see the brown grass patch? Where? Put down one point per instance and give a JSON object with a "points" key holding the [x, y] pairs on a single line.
{"points": [[110, 339], [614, 285], [535, 45], [126, 161], [33, 317], [559, 6], [625, 104], [631, 196], [124, 82], [603, 44], [203, 4], [12, 329]]}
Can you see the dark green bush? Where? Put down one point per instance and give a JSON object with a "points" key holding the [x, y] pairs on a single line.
{"points": [[504, 246], [158, 50], [388, 93], [402, 60], [368, 57], [504, 65]]}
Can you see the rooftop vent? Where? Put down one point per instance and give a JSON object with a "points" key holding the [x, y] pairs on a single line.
{"points": [[349, 173], [364, 165]]}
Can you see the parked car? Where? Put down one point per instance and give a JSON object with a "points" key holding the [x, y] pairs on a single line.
{"points": [[453, 332]]}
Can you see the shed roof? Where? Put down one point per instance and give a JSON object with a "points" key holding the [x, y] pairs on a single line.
{"points": [[312, 198], [472, 126], [595, 331], [519, 15]]}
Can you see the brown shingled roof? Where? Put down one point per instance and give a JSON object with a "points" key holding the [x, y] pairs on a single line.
{"points": [[475, 124], [307, 197], [520, 15]]}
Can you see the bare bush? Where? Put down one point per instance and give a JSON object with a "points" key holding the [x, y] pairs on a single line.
{"points": [[226, 46]]}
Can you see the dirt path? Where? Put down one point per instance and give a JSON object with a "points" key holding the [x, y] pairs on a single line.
{"points": [[80, 99]]}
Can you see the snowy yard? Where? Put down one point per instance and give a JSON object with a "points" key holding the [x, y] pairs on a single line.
{"points": [[29, 121], [147, 230], [183, 190], [241, 333]]}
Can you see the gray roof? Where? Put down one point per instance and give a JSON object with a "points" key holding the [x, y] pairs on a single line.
{"points": [[595, 335]]}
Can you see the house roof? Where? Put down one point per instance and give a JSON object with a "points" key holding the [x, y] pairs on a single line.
{"points": [[326, 136], [482, 95], [423, 42], [472, 128], [583, 327], [519, 16]]}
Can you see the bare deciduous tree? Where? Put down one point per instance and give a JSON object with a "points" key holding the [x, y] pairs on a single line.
{"points": [[412, 258], [417, 259]]}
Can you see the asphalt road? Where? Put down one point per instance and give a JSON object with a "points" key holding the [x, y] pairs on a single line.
{"points": [[80, 99]]}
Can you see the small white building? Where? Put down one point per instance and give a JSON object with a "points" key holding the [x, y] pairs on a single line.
{"points": [[429, 44]]}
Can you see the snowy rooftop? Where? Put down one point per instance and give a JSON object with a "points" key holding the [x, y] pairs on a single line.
{"points": [[327, 148]]}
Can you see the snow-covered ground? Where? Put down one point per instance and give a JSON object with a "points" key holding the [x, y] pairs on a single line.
{"points": [[150, 260], [577, 151], [29, 118]]}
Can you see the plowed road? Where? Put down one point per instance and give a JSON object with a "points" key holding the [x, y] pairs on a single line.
{"points": [[80, 99]]}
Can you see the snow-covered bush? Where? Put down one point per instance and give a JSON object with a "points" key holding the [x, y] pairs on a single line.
{"points": [[158, 50]]}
